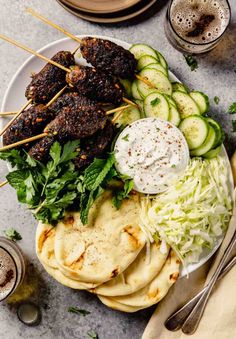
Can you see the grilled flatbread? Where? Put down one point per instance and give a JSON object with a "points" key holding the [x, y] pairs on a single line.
{"points": [[99, 251], [142, 271], [150, 294]]}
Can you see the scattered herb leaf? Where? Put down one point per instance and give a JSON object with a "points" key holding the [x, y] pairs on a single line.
{"points": [[126, 137], [192, 63], [232, 108], [234, 125], [216, 100], [155, 101], [92, 334], [77, 310], [173, 166], [12, 234]]}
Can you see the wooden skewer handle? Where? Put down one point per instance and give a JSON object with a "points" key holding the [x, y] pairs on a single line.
{"points": [[4, 114], [50, 23], [22, 142], [25, 48]]}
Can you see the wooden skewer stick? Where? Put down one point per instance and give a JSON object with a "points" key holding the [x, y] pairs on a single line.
{"points": [[56, 96], [3, 183], [37, 15], [22, 142], [15, 117], [13, 42], [118, 109], [8, 113], [74, 37]]}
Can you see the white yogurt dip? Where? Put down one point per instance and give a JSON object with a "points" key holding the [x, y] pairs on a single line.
{"points": [[152, 152]]}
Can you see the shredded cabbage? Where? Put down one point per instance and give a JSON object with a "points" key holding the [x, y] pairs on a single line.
{"points": [[194, 212]]}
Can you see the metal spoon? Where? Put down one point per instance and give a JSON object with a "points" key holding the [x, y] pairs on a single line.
{"points": [[177, 319], [191, 323]]}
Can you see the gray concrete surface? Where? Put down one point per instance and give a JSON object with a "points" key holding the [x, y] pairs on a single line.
{"points": [[216, 76]]}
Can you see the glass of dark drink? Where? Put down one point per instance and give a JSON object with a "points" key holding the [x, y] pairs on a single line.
{"points": [[196, 26], [12, 267]]}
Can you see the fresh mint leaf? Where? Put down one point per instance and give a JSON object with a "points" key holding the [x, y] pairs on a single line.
{"points": [[216, 100], [92, 334], [123, 194], [17, 178], [97, 171], [232, 108], [12, 234], [234, 125], [155, 101], [126, 137], [73, 309], [192, 63]]}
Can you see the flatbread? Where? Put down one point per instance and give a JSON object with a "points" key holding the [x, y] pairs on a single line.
{"points": [[45, 240], [104, 248], [153, 292], [142, 271], [62, 279]]}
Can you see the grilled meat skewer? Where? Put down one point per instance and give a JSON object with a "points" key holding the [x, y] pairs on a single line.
{"points": [[95, 84], [31, 122], [50, 79], [108, 57], [78, 118]]}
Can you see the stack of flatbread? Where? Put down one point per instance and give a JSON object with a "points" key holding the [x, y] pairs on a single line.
{"points": [[108, 256]]}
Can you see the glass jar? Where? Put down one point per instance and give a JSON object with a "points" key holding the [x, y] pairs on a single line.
{"points": [[12, 267]]}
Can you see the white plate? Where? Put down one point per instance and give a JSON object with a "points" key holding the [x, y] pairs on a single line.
{"points": [[15, 97]]}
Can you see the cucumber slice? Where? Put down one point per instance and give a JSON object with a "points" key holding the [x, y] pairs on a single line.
{"points": [[155, 105], [128, 116], [135, 91], [207, 145], [157, 78], [178, 86], [218, 130], [140, 104], [138, 50], [213, 152], [145, 60], [174, 116], [162, 60], [195, 129], [158, 67], [201, 100], [127, 86], [170, 100], [185, 104]]}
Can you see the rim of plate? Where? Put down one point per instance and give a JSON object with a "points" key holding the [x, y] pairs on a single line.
{"points": [[189, 267], [89, 9], [90, 17]]}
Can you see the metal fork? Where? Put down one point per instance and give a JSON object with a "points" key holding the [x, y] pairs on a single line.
{"points": [[178, 318]]}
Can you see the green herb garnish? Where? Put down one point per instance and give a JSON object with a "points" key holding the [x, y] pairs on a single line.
{"points": [[191, 62], [216, 100], [234, 125], [126, 137], [51, 189], [155, 101], [12, 234], [92, 334], [123, 194], [77, 310], [173, 166], [232, 108]]}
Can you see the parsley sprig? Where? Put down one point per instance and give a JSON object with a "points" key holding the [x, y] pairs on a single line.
{"points": [[53, 188], [192, 63], [76, 310], [12, 234], [232, 108]]}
